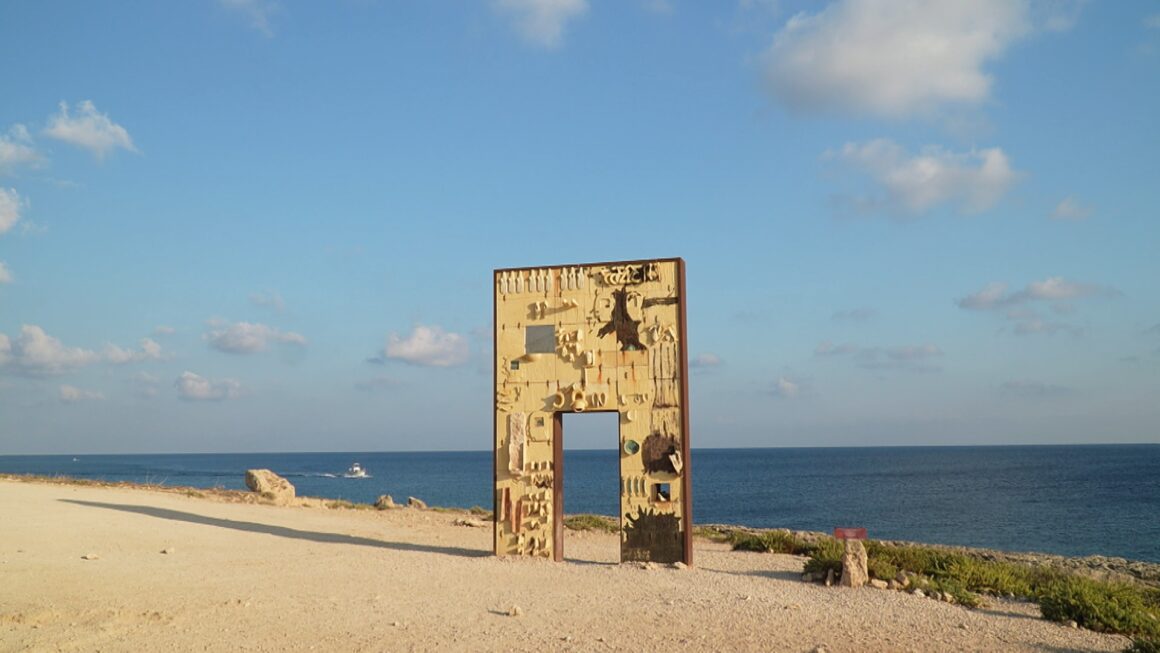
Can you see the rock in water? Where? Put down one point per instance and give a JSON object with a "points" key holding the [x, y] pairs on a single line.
{"points": [[385, 502], [270, 485], [416, 503], [854, 573]]}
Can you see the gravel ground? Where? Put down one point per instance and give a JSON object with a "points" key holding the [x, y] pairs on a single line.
{"points": [[171, 572]]}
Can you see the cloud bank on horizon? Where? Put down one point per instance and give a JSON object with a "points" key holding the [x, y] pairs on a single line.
{"points": [[934, 222]]}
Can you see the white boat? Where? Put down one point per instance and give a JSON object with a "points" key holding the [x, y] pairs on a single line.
{"points": [[356, 471]]}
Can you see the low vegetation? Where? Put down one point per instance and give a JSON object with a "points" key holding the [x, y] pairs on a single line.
{"points": [[1099, 605], [592, 523], [771, 542], [1144, 645], [343, 504]]}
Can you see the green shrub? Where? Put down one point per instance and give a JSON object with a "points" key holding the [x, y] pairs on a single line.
{"points": [[770, 542], [343, 504], [1144, 645], [971, 573], [715, 534], [826, 555], [591, 523], [881, 569], [1099, 606]]}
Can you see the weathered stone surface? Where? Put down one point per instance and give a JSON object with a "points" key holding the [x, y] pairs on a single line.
{"points": [[854, 573], [902, 579], [829, 577], [879, 584], [385, 502], [412, 502], [270, 485], [679, 565], [471, 523]]}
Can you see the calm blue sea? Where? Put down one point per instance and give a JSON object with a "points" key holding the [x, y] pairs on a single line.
{"points": [[1072, 500]]}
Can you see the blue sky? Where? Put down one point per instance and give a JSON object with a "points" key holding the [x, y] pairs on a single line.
{"points": [[258, 225]]}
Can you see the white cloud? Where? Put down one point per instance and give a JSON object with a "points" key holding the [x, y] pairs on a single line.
{"points": [[36, 352], [5, 273], [994, 295], [248, 338], [705, 360], [150, 350], [270, 300], [913, 184], [542, 22], [892, 58], [1070, 209], [16, 149], [901, 357], [258, 12], [786, 388], [71, 394], [11, 205], [89, 129], [426, 346], [1019, 306], [194, 387]]}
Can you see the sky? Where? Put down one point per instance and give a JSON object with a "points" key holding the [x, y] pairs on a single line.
{"points": [[266, 225]]}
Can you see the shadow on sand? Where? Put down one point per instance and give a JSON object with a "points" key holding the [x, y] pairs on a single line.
{"points": [[279, 531]]}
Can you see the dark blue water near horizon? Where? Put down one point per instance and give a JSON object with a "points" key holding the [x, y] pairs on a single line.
{"points": [[1070, 500]]}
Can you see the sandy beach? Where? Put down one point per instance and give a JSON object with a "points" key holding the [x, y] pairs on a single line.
{"points": [[116, 569]]}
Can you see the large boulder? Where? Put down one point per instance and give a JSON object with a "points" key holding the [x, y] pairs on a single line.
{"points": [[854, 572], [270, 485]]}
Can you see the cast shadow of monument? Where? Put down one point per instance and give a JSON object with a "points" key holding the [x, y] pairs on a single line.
{"points": [[279, 531]]}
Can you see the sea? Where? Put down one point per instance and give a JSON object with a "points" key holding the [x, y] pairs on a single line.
{"points": [[1069, 500]]}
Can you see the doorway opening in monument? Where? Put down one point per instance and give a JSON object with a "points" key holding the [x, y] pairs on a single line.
{"points": [[591, 483]]}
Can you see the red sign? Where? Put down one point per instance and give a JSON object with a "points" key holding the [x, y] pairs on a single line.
{"points": [[849, 533]]}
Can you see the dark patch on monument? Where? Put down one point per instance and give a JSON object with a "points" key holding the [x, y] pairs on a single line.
{"points": [[658, 301], [657, 452], [626, 329], [651, 536]]}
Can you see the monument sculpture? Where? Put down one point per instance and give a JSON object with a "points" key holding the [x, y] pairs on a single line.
{"points": [[586, 338]]}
